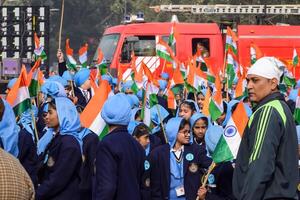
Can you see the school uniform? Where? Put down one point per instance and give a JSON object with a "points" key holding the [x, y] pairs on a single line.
{"points": [[119, 166], [59, 175], [82, 99], [87, 170], [194, 159], [28, 155]]}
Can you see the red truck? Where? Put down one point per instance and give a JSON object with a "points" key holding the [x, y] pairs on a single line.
{"points": [[119, 41]]}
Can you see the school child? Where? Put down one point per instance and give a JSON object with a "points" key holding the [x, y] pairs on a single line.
{"points": [[61, 152], [175, 167], [187, 108]]}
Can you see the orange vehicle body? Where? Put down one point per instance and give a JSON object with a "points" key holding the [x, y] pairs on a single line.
{"points": [[273, 40]]}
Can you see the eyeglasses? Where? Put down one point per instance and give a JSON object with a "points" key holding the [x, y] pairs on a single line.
{"points": [[185, 132]]}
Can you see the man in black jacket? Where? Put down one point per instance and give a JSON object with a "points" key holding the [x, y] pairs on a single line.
{"points": [[267, 161]]}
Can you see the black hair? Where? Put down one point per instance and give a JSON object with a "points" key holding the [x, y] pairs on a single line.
{"points": [[190, 104], [141, 130], [2, 108], [52, 104], [225, 107], [183, 123], [204, 119]]}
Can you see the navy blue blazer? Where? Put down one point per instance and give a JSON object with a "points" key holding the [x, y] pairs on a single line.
{"points": [[87, 170], [160, 171], [28, 155], [59, 175], [119, 166], [81, 99]]}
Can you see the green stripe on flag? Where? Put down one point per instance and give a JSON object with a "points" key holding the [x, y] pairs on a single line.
{"points": [[222, 151], [164, 56], [104, 132], [214, 111], [22, 107], [33, 88]]}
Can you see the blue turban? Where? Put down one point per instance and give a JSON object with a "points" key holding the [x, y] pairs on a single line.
{"points": [[127, 85], [53, 89], [164, 75], [162, 84], [59, 79], [68, 76], [116, 110], [81, 76], [133, 100], [11, 83], [9, 130]]}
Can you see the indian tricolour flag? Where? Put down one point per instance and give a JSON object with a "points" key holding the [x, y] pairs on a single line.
{"points": [[39, 51], [150, 99], [255, 53], [173, 35], [216, 104], [163, 51], [18, 97], [194, 78], [101, 62], [231, 41], [232, 68], [91, 116], [83, 55], [71, 64], [228, 145], [297, 109], [33, 79], [295, 58]]}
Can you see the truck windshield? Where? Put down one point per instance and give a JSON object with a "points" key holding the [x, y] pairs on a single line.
{"points": [[108, 46]]}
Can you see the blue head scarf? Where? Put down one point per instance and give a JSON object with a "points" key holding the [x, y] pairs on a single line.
{"points": [[155, 116], [190, 101], [68, 76], [11, 83], [132, 125], [133, 100], [26, 120], [9, 130], [116, 110], [114, 81], [196, 116], [59, 79], [172, 129], [69, 123], [212, 137], [298, 133], [81, 76], [53, 89], [133, 113]]}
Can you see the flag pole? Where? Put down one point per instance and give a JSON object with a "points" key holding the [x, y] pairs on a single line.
{"points": [[211, 167], [35, 129], [161, 123], [61, 23]]}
